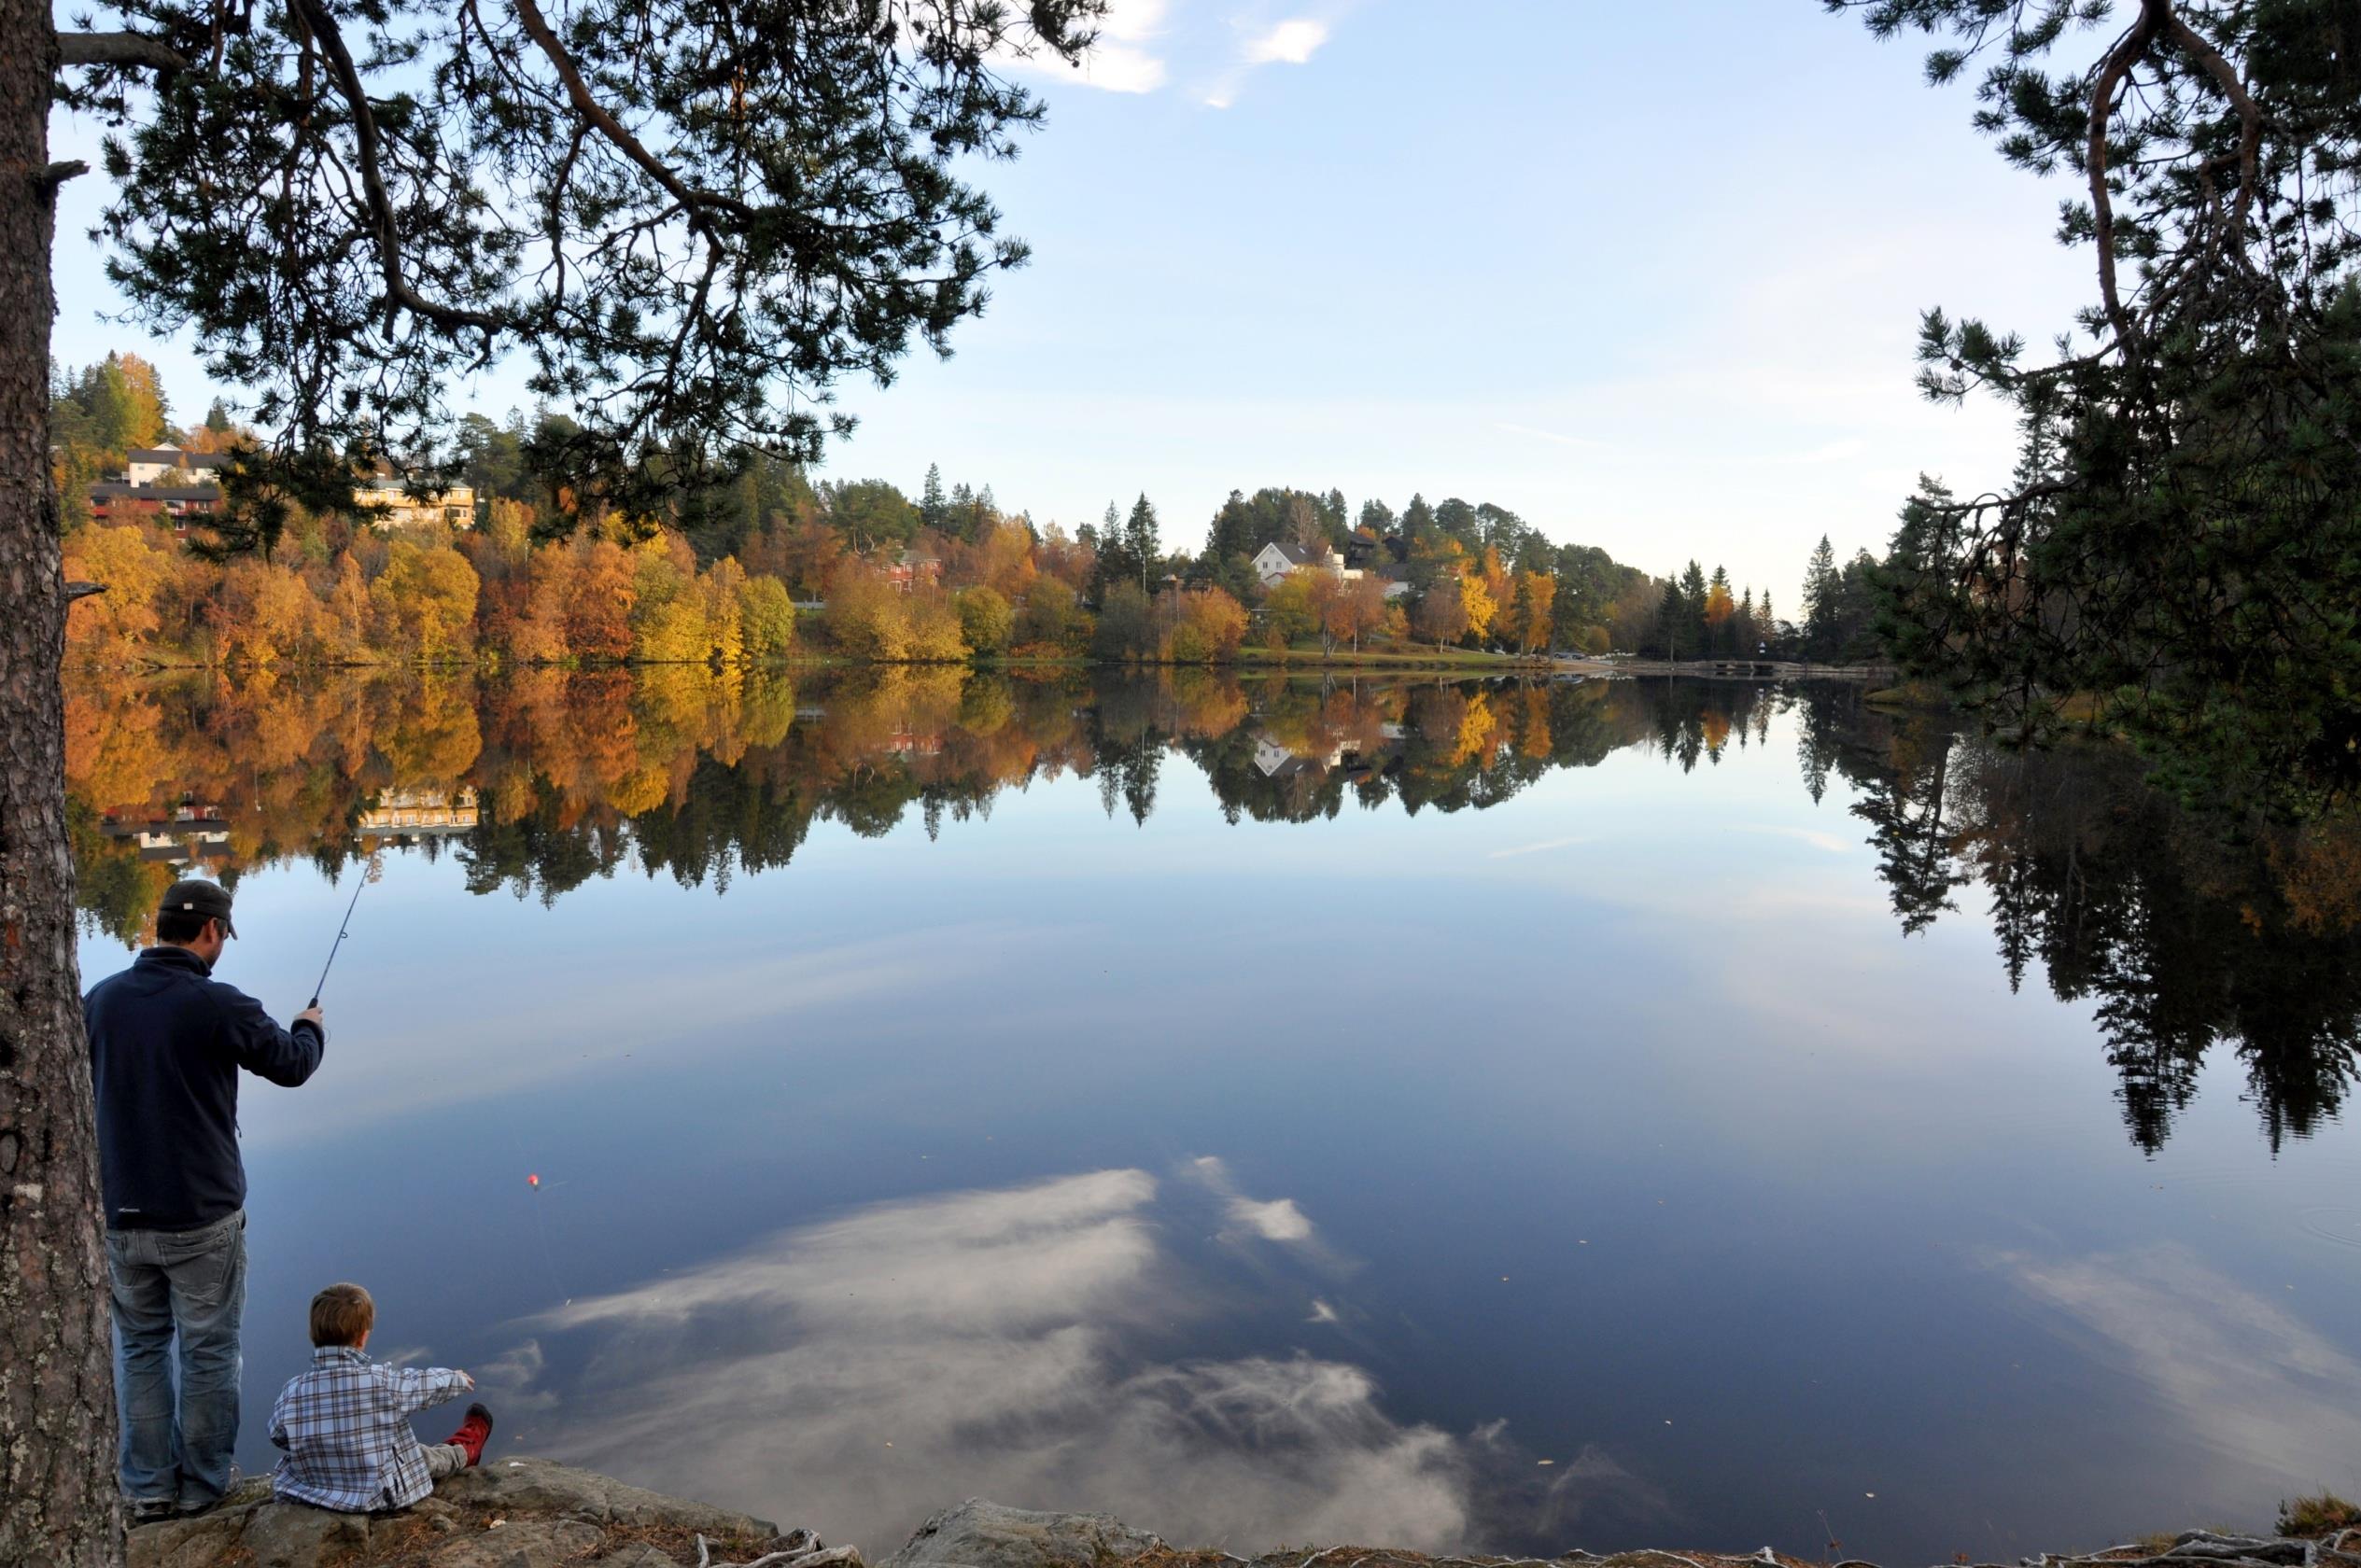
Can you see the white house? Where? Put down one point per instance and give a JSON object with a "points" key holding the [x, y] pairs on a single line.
{"points": [[1274, 562], [148, 465]]}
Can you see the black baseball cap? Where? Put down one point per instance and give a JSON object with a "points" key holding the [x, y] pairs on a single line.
{"points": [[197, 897]]}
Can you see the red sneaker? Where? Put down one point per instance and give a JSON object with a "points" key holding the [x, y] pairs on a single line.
{"points": [[473, 1433]]}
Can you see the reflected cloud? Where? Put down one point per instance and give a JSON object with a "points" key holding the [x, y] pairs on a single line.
{"points": [[1277, 1220], [2241, 1372], [856, 1375], [1834, 844], [1271, 1220]]}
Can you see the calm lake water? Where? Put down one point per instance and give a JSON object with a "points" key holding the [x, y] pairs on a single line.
{"points": [[1516, 1116]]}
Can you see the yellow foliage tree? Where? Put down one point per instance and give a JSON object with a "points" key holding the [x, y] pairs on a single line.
{"points": [[1537, 593], [423, 605], [126, 562], [1477, 599]]}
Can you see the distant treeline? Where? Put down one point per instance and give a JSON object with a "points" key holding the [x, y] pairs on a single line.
{"points": [[945, 576]]}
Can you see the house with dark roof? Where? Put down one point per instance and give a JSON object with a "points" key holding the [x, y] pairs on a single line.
{"points": [[168, 506], [149, 464], [1276, 561]]}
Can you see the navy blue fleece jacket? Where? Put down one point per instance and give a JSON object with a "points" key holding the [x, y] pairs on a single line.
{"points": [[167, 1040]]}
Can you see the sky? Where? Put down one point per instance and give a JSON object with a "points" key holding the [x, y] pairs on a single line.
{"points": [[1648, 275]]}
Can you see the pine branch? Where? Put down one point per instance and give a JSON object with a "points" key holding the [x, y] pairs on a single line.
{"points": [[119, 48]]}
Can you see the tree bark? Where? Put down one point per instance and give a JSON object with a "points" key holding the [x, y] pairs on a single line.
{"points": [[58, 1505]]}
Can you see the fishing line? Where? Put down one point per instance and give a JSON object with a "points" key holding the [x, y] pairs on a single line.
{"points": [[376, 869]]}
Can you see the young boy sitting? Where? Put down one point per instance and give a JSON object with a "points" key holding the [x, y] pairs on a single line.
{"points": [[345, 1423]]}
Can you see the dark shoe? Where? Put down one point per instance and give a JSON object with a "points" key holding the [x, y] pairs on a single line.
{"points": [[473, 1433], [190, 1507], [150, 1510]]}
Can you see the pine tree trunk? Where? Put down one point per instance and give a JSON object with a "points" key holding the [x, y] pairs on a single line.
{"points": [[58, 1504]]}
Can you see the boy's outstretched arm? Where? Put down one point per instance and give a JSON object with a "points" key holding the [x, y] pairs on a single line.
{"points": [[416, 1388]]}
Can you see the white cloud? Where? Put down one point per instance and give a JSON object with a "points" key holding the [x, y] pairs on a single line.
{"points": [[1122, 60], [1290, 43], [1279, 1220], [1276, 1220]]}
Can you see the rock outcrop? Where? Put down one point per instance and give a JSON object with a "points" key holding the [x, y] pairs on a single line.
{"points": [[528, 1513], [981, 1534], [510, 1513]]}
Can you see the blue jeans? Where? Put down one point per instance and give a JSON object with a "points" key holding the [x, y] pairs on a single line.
{"points": [[187, 1285]]}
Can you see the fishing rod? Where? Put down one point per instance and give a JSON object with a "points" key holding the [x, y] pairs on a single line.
{"points": [[343, 927]]}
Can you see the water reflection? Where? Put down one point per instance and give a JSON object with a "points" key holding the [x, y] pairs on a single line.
{"points": [[1010, 1338], [2183, 932], [2187, 931]]}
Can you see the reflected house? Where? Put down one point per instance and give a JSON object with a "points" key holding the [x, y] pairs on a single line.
{"points": [[906, 741], [191, 834], [1273, 759], [414, 814]]}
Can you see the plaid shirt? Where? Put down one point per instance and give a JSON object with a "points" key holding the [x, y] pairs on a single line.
{"points": [[346, 1427]]}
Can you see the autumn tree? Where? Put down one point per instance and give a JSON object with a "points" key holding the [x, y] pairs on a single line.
{"points": [[1719, 608], [1532, 619], [766, 618], [1441, 615], [1288, 613], [423, 605], [986, 620], [1478, 605]]}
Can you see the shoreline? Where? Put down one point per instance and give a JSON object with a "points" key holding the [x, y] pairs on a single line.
{"points": [[521, 1512]]}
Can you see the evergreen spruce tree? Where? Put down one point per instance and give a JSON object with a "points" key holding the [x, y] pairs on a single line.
{"points": [[1140, 540], [1693, 609], [1821, 588], [935, 510]]}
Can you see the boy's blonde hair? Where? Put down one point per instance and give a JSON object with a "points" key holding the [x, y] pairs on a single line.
{"points": [[341, 1314]]}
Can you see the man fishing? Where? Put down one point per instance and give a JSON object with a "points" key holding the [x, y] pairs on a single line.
{"points": [[167, 1042]]}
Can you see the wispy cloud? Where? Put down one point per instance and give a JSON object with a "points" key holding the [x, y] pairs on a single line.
{"points": [[1828, 843], [1545, 846], [1276, 1219], [1291, 43], [2237, 1367]]}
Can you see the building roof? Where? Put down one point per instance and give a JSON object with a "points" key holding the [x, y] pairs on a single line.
{"points": [[1296, 555], [115, 489], [174, 456]]}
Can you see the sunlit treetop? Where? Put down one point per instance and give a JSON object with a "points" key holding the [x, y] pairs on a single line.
{"points": [[692, 217]]}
